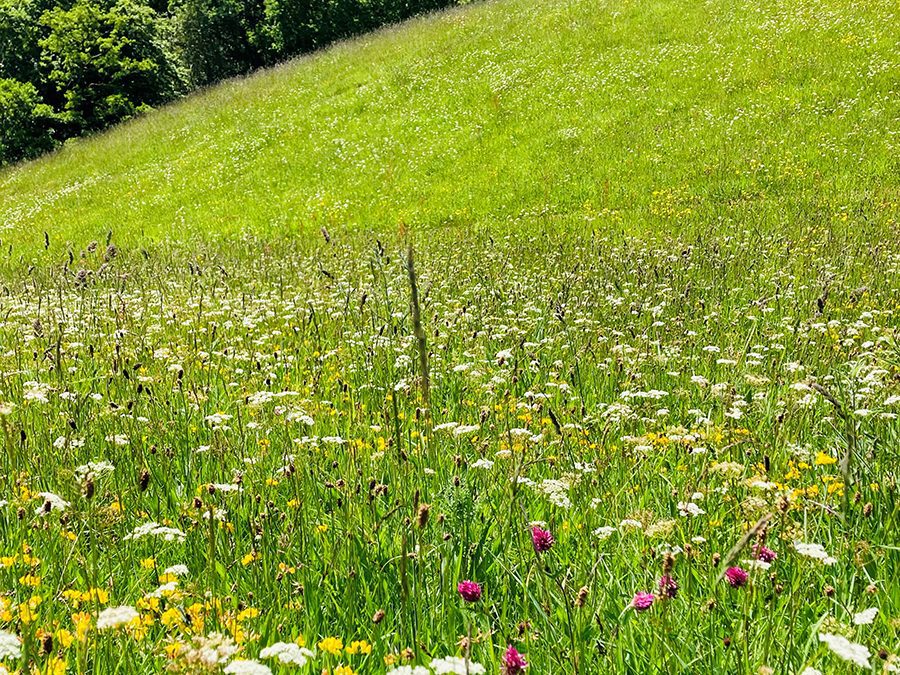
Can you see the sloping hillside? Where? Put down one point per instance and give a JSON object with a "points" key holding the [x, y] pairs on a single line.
{"points": [[663, 113]]}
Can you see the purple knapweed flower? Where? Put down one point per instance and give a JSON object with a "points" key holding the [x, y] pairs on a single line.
{"points": [[513, 662], [764, 553], [542, 539], [642, 601], [469, 590], [668, 587], [736, 576]]}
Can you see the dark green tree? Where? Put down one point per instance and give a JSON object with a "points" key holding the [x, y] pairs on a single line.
{"points": [[107, 63], [216, 38], [26, 123]]}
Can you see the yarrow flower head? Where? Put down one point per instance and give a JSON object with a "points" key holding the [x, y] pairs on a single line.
{"points": [[454, 665], [541, 539], [113, 617], [469, 590], [814, 551], [849, 651], [736, 577], [10, 646], [642, 601], [668, 587], [246, 667], [287, 652], [513, 662]]}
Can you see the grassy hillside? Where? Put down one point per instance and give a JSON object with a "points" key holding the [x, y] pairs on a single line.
{"points": [[664, 114]]}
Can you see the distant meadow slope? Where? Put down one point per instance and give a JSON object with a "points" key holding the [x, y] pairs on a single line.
{"points": [[666, 115]]}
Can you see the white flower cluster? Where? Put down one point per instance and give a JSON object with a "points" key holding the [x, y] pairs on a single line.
{"points": [[153, 529], [113, 617]]}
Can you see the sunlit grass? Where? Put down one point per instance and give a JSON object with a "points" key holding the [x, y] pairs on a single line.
{"points": [[628, 114]]}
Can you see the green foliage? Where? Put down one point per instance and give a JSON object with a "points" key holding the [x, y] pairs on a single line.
{"points": [[25, 121], [19, 32], [108, 63], [215, 38], [97, 62]]}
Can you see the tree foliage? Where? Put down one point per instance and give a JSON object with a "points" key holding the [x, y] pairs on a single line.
{"points": [[69, 67], [25, 122]]}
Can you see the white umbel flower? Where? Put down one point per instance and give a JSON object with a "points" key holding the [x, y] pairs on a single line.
{"points": [[246, 667], [454, 665], [113, 617], [865, 617], [10, 646], [409, 670], [51, 502], [153, 529], [856, 654], [814, 551], [287, 652]]}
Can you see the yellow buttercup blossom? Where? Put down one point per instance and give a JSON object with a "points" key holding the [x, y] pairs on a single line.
{"points": [[64, 638], [148, 604], [82, 621], [171, 618], [359, 647], [824, 460], [331, 645], [249, 613]]}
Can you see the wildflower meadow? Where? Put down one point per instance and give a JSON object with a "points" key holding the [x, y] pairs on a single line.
{"points": [[528, 338]]}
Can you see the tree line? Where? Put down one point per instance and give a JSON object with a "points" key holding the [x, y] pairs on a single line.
{"points": [[70, 67]]}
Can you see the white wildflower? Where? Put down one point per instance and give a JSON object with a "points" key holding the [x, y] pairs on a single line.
{"points": [[287, 652], [112, 617], [865, 617], [856, 654], [814, 551], [246, 667], [10, 646], [454, 665]]}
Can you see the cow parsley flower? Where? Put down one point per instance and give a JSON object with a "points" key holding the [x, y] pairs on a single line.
{"points": [[153, 529], [454, 665], [865, 617], [113, 617], [853, 652], [287, 652], [51, 502], [814, 551], [10, 646], [409, 670], [246, 667]]}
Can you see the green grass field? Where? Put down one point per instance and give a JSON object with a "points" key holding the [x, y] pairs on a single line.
{"points": [[660, 115], [657, 304]]}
